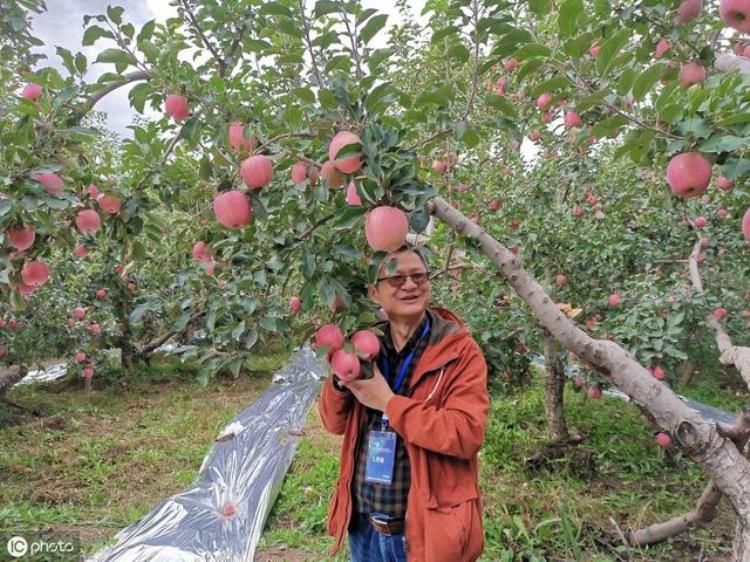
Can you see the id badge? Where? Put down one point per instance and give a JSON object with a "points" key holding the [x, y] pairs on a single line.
{"points": [[381, 456]]}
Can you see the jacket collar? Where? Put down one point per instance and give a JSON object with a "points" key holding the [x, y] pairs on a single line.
{"points": [[447, 329]]}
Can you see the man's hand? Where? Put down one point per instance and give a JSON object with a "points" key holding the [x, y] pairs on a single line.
{"points": [[373, 393]]}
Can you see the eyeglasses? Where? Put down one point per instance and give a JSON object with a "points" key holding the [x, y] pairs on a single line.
{"points": [[399, 280]]}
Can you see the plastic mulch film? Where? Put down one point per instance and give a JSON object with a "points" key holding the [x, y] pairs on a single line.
{"points": [[221, 516]]}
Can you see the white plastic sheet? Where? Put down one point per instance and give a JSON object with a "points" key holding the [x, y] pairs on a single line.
{"points": [[221, 516]]}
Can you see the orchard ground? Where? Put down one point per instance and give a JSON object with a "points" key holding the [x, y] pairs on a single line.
{"points": [[95, 464]]}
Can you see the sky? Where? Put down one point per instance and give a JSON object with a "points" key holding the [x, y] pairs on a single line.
{"points": [[62, 25]]}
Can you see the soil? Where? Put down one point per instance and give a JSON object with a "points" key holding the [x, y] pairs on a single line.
{"points": [[285, 555]]}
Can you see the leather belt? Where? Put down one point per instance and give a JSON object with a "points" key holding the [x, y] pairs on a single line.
{"points": [[388, 528]]}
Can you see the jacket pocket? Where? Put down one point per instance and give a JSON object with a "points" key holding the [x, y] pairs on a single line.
{"points": [[447, 532]]}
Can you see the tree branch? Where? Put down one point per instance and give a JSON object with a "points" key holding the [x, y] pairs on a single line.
{"points": [[731, 355], [308, 43], [126, 79], [202, 35], [475, 74], [707, 506]]}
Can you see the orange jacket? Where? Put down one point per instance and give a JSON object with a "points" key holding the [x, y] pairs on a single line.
{"points": [[442, 423]]}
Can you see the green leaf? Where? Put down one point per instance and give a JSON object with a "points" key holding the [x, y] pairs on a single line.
{"points": [[374, 25], [696, 127], [274, 9], [419, 219], [577, 47], [734, 119], [115, 56], [182, 322], [529, 67], [348, 217], [671, 113], [340, 62], [138, 95], [539, 7], [82, 63], [205, 168], [440, 34], [327, 99], [138, 251], [532, 50], [609, 127], [434, 97], [567, 18], [67, 58], [238, 330], [289, 27], [723, 143], [610, 49], [502, 105], [378, 57], [459, 53], [147, 31], [139, 311], [551, 85], [625, 82], [305, 94], [325, 7], [666, 95], [115, 14], [190, 129], [364, 15], [646, 81], [597, 98], [377, 94], [736, 168]]}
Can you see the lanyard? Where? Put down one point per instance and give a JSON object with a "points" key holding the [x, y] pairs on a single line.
{"points": [[385, 367]]}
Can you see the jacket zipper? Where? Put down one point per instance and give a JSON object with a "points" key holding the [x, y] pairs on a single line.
{"points": [[408, 393]]}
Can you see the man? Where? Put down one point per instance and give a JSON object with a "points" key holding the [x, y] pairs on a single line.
{"points": [[408, 482]]}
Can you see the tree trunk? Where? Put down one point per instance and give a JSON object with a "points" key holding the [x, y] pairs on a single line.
{"points": [[716, 455], [9, 378], [688, 369], [189, 333], [554, 384], [741, 544]]}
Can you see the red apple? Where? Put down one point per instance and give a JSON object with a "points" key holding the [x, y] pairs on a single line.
{"points": [[688, 174], [692, 73], [594, 392], [661, 48], [736, 14], [687, 11], [543, 100], [663, 440], [724, 183]]}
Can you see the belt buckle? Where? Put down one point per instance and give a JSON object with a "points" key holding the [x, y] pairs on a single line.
{"points": [[381, 527]]}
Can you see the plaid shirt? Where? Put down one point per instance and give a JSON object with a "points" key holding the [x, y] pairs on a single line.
{"points": [[371, 497]]}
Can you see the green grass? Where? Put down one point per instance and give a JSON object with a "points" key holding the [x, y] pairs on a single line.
{"points": [[95, 464]]}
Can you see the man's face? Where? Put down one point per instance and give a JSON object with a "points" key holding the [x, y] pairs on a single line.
{"points": [[408, 299]]}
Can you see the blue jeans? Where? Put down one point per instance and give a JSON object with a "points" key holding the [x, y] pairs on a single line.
{"points": [[367, 545]]}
